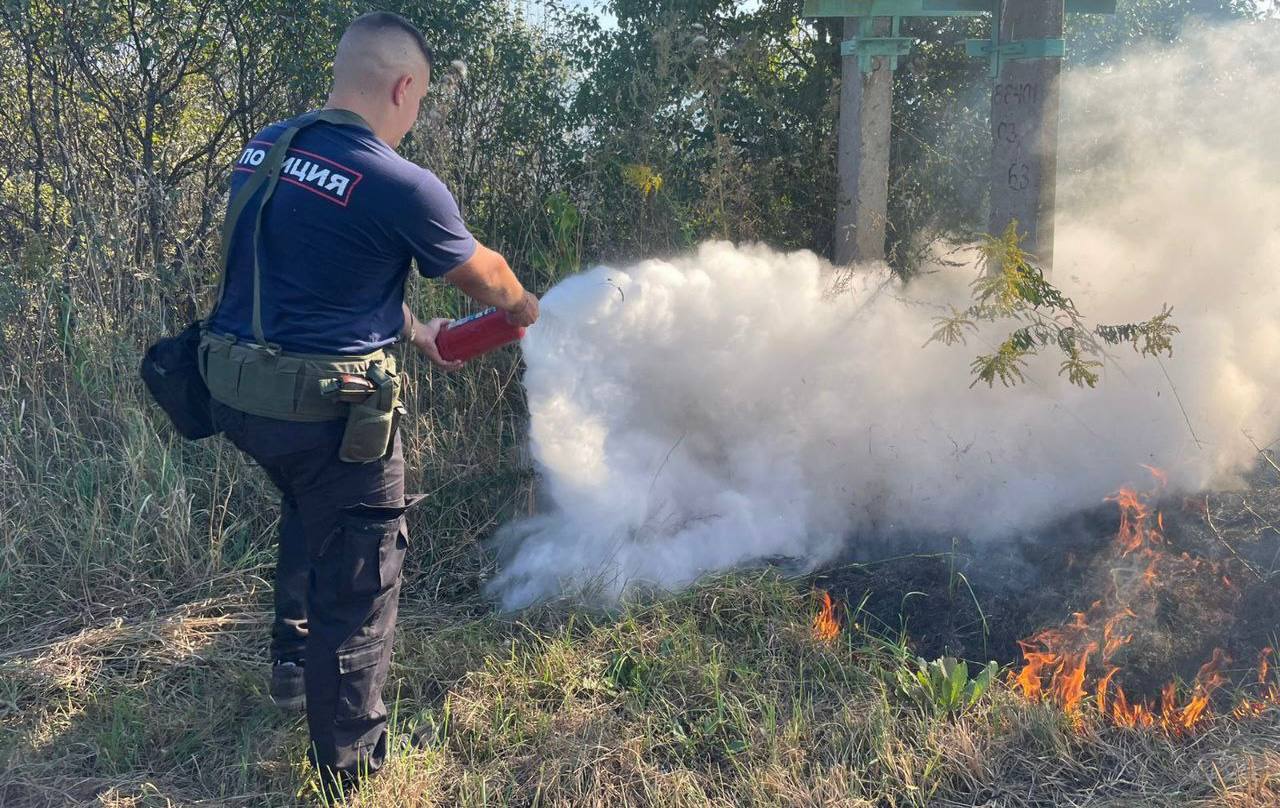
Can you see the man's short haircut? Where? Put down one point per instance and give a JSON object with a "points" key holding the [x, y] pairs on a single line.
{"points": [[378, 21]]}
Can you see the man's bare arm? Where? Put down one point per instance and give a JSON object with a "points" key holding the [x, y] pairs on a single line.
{"points": [[486, 278]]}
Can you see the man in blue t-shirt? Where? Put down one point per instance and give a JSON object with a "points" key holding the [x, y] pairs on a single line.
{"points": [[338, 235]]}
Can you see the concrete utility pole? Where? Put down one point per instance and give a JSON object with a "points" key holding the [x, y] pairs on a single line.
{"points": [[862, 197], [1024, 122], [1025, 50]]}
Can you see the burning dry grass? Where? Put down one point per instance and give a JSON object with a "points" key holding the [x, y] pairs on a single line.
{"points": [[825, 625], [722, 696], [743, 691], [1061, 663]]}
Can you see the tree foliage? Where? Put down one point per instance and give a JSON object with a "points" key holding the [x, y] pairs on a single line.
{"points": [[729, 112], [566, 140], [122, 117]]}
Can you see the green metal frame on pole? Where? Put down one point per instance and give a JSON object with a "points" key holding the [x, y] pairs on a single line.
{"points": [[999, 53], [932, 8], [868, 47], [892, 8]]}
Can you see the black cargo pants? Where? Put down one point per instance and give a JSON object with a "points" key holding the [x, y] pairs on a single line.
{"points": [[342, 543]]}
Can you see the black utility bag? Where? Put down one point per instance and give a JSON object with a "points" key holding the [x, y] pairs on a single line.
{"points": [[171, 371], [171, 367]]}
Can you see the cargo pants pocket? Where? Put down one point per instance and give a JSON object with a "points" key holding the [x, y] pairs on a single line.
{"points": [[373, 549], [361, 671], [374, 540]]}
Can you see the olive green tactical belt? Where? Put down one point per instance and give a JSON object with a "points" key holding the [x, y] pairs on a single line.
{"points": [[279, 384]]}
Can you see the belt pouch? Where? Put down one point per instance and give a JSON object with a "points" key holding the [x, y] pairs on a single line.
{"points": [[371, 423]]}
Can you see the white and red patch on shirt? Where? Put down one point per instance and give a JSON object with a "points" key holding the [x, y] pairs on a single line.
{"points": [[307, 170]]}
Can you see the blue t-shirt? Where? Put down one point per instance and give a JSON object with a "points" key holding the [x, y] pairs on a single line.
{"points": [[338, 234]]}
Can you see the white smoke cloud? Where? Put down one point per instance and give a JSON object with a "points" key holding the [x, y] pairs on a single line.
{"points": [[697, 413]]}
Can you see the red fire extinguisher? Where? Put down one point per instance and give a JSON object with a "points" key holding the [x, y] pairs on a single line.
{"points": [[477, 334]]}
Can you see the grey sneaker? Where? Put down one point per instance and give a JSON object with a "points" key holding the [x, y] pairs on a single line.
{"points": [[287, 689]]}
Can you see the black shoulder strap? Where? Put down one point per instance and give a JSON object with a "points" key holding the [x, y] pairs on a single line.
{"points": [[268, 174]]}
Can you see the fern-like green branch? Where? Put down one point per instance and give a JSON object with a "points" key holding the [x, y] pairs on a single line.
{"points": [[1013, 289]]}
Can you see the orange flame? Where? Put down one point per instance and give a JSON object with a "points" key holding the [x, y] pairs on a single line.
{"points": [[825, 626], [1103, 685], [1056, 660], [1161, 477], [1269, 696], [1135, 533]]}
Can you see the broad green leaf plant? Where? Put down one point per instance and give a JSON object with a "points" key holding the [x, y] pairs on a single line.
{"points": [[943, 687]]}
